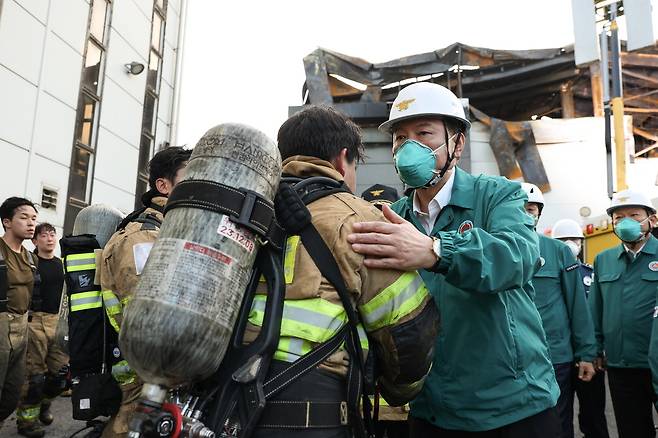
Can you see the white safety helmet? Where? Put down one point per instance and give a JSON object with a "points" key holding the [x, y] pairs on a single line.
{"points": [[567, 229], [630, 198], [533, 192], [425, 99]]}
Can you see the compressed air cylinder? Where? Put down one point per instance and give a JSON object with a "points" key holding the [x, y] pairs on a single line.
{"points": [[101, 220], [177, 327]]}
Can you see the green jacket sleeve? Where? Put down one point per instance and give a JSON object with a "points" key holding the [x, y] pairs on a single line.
{"points": [[582, 327], [498, 255], [596, 307]]}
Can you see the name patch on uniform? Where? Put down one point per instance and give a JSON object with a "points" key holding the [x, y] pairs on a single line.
{"points": [[572, 267], [653, 265], [465, 226]]}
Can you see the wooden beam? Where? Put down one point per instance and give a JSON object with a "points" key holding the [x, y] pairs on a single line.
{"points": [[635, 75], [597, 89], [640, 110], [646, 134], [566, 99], [639, 59]]}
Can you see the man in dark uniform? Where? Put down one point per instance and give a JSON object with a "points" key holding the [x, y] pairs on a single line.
{"points": [[46, 362], [591, 395]]}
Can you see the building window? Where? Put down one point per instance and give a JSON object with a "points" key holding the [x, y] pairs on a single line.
{"points": [[151, 97], [87, 114]]}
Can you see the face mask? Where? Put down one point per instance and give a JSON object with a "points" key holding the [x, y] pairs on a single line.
{"points": [[629, 230], [574, 247], [416, 163]]}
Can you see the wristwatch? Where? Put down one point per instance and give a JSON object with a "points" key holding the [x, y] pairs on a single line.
{"points": [[436, 249]]}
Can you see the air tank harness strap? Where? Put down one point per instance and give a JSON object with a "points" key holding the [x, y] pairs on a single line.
{"points": [[296, 219], [245, 207]]}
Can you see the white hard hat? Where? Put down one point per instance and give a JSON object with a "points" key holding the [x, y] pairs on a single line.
{"points": [[567, 228], [533, 192], [630, 198], [425, 99]]}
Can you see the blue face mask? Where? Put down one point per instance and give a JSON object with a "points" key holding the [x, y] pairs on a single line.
{"points": [[629, 230]]}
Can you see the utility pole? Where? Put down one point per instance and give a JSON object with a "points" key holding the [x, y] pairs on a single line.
{"points": [[617, 102], [605, 81]]}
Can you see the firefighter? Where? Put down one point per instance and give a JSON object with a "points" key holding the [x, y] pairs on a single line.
{"points": [[395, 308], [46, 362], [591, 395], [17, 278], [560, 299], [623, 298], [478, 251], [123, 259]]}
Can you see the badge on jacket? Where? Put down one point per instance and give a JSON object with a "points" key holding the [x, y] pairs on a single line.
{"points": [[465, 226], [653, 265]]}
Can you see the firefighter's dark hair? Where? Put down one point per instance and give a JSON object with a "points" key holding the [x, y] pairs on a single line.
{"points": [[166, 163], [321, 132], [8, 208], [43, 227]]}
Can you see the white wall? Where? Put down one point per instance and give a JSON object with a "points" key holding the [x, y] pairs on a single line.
{"points": [[41, 53]]}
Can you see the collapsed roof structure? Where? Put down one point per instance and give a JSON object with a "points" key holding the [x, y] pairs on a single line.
{"points": [[505, 85]]}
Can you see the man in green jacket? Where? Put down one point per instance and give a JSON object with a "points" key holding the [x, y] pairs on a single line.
{"points": [[560, 299], [623, 299], [477, 252]]}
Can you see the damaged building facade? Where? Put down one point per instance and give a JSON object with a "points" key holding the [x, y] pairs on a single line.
{"points": [[537, 116]]}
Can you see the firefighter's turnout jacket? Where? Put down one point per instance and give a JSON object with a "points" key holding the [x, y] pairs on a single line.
{"points": [[397, 312], [123, 259]]}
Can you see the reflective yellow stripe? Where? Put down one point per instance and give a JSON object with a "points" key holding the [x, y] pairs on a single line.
{"points": [[86, 300], [305, 323], [80, 262], [83, 256], [113, 307], [122, 373], [395, 302], [289, 258], [312, 319], [28, 413]]}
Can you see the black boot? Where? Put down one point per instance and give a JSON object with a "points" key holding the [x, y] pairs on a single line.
{"points": [[44, 414], [31, 430]]}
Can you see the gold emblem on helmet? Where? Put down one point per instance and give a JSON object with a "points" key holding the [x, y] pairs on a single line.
{"points": [[404, 105], [376, 192], [623, 198]]}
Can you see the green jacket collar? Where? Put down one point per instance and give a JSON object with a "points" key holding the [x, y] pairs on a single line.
{"points": [[651, 247], [461, 196]]}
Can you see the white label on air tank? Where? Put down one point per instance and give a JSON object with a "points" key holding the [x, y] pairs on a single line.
{"points": [[238, 234], [194, 277]]}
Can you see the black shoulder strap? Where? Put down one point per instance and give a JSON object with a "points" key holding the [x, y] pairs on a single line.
{"points": [[36, 304], [149, 221], [130, 218], [295, 218]]}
